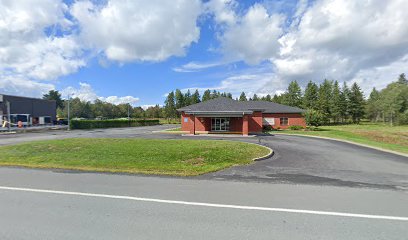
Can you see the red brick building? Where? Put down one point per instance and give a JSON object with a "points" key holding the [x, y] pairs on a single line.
{"points": [[227, 115]]}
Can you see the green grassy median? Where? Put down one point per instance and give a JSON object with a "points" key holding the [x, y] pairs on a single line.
{"points": [[149, 156]]}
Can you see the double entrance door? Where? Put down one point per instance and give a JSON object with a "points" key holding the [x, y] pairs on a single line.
{"points": [[220, 124]]}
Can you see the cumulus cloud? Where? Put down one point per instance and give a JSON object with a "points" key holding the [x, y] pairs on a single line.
{"points": [[338, 39], [344, 40], [85, 92], [14, 85], [28, 54], [222, 10], [139, 30], [42, 40], [253, 37], [25, 48]]}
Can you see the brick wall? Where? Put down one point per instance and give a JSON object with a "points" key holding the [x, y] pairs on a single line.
{"points": [[293, 119], [255, 122], [203, 124]]}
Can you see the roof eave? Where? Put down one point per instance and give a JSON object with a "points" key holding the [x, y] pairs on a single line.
{"points": [[219, 112]]}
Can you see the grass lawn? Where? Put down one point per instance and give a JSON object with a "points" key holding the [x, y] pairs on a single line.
{"points": [[376, 135], [150, 156]]}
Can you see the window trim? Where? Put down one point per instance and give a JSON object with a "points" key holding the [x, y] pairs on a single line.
{"points": [[281, 122]]}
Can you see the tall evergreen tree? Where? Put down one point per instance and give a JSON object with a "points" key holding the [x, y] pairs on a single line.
{"points": [[293, 96], [242, 97], [277, 98], [170, 106], [310, 99], [195, 98], [325, 91], [179, 99], [402, 79], [268, 98], [356, 107], [344, 102], [187, 98], [206, 95], [373, 107], [229, 95], [255, 98], [336, 103], [215, 94]]}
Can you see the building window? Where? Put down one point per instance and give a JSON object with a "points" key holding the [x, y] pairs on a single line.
{"points": [[284, 121], [185, 119], [268, 121]]}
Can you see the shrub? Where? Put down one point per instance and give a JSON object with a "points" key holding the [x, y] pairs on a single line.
{"points": [[112, 123], [312, 128], [295, 127], [268, 128], [313, 118]]}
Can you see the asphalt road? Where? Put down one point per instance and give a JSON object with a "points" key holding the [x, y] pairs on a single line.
{"points": [[309, 189], [115, 215]]}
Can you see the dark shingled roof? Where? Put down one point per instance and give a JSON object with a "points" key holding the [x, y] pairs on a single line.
{"points": [[223, 104]]}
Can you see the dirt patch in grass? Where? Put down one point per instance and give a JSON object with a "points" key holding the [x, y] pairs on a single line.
{"points": [[384, 137], [195, 161]]}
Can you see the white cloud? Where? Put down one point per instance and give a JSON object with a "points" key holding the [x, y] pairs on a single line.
{"points": [[259, 79], [222, 10], [346, 40], [196, 66], [29, 56], [139, 30], [253, 37], [145, 107], [42, 40], [120, 100], [24, 47], [85, 92], [15, 85]]}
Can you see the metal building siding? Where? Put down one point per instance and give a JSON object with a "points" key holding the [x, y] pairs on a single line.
{"points": [[33, 106]]}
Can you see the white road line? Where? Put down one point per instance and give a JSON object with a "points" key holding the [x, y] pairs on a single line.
{"points": [[286, 210]]}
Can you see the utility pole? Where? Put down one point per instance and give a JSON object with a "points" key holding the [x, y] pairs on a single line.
{"points": [[128, 108], [8, 116], [69, 121], [128, 111]]}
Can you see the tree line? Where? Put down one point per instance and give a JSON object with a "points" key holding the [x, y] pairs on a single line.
{"points": [[176, 99], [100, 109], [327, 103]]}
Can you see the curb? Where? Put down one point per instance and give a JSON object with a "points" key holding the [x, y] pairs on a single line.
{"points": [[7, 133], [270, 154], [217, 135], [346, 141], [171, 132]]}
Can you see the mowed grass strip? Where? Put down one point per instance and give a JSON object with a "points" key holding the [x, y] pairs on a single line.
{"points": [[149, 156], [384, 136]]}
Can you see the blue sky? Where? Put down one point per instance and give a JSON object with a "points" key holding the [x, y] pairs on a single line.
{"points": [[137, 51]]}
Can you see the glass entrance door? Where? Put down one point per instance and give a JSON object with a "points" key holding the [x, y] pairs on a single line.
{"points": [[220, 124]]}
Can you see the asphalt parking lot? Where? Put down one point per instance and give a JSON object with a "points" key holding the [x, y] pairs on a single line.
{"points": [[309, 189]]}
